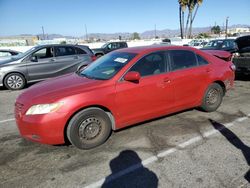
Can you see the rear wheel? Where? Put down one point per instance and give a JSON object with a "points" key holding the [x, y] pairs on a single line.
{"points": [[99, 55], [14, 81], [89, 128], [212, 98]]}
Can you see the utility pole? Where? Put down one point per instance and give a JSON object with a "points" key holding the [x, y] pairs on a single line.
{"points": [[86, 32], [43, 33], [226, 26], [155, 31]]}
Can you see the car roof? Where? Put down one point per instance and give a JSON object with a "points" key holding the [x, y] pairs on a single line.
{"points": [[146, 49], [54, 45], [223, 40], [8, 50]]}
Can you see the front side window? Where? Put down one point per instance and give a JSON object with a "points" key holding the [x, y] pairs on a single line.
{"points": [[43, 53], [150, 65], [107, 66], [181, 59]]}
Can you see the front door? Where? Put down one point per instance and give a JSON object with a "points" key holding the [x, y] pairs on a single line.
{"points": [[151, 97], [40, 64]]}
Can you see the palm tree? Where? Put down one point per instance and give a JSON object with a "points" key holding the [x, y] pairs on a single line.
{"points": [[182, 8], [197, 4]]}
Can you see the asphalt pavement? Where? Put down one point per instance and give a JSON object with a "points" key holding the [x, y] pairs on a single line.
{"points": [[187, 149]]}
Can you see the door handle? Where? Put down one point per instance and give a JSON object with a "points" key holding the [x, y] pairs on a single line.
{"points": [[166, 80], [76, 57], [208, 70], [52, 60]]}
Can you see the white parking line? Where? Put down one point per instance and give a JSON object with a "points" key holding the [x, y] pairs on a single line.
{"points": [[7, 120], [164, 153]]}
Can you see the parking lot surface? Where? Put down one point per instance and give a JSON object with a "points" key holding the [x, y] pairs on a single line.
{"points": [[187, 149]]}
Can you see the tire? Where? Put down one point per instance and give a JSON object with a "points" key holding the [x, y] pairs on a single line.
{"points": [[99, 55], [212, 98], [14, 81], [81, 68], [89, 128]]}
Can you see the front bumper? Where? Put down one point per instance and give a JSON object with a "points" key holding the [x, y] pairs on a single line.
{"points": [[46, 128]]}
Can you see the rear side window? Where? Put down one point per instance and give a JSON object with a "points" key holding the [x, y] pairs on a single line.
{"points": [[80, 51], [64, 50], [182, 59], [201, 60], [123, 45], [150, 65]]}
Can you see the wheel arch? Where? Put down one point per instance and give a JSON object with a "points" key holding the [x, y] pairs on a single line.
{"points": [[105, 109], [221, 83]]}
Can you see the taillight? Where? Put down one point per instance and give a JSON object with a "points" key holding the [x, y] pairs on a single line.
{"points": [[233, 67], [93, 58]]}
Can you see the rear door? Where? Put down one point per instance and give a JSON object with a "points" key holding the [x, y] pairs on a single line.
{"points": [[82, 55], [189, 76], [66, 60], [151, 97]]}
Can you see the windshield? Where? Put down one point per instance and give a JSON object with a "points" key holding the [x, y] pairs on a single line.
{"points": [[104, 46], [107, 66], [21, 55], [215, 44]]}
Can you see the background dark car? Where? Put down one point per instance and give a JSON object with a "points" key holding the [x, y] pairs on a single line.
{"points": [[109, 47], [43, 62], [242, 60], [7, 53], [221, 44]]}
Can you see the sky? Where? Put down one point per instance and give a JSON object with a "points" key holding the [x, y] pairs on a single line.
{"points": [[69, 17]]}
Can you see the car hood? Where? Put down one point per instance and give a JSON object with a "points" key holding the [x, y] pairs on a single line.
{"points": [[243, 42], [6, 61], [57, 88]]}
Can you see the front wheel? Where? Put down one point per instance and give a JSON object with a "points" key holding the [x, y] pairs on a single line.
{"points": [[89, 128], [212, 98], [14, 81]]}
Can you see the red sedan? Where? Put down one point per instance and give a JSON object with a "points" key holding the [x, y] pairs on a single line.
{"points": [[120, 89]]}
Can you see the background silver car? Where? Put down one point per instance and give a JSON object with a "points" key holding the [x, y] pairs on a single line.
{"points": [[43, 62]]}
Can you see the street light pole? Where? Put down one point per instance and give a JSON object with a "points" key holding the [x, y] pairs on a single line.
{"points": [[43, 33], [86, 32], [226, 26]]}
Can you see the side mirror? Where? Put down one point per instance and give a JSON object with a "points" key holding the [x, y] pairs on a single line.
{"points": [[34, 59], [132, 76]]}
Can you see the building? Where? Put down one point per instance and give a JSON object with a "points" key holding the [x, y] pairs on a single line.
{"points": [[238, 30]]}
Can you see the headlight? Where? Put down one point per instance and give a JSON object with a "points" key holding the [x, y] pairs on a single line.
{"points": [[44, 108]]}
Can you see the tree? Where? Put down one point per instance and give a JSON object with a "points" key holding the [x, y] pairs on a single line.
{"points": [[63, 42], [182, 8], [202, 35], [216, 29], [194, 4], [135, 36], [191, 5]]}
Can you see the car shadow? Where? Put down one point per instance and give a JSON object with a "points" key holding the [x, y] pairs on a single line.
{"points": [[236, 142], [128, 171]]}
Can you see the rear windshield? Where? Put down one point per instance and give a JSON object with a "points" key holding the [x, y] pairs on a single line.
{"points": [[107, 66]]}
